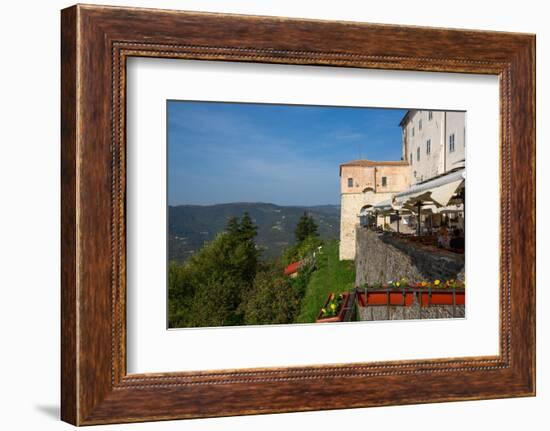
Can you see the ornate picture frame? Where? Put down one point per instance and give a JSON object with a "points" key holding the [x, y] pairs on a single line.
{"points": [[96, 41]]}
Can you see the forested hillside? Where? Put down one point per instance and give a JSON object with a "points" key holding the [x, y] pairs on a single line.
{"points": [[191, 226]]}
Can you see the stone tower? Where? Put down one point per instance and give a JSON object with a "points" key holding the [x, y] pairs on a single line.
{"points": [[363, 183]]}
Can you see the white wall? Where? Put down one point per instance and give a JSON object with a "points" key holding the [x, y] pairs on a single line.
{"points": [[29, 219], [455, 125], [438, 130]]}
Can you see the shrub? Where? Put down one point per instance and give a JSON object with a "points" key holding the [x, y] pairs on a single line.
{"points": [[207, 290], [273, 298]]}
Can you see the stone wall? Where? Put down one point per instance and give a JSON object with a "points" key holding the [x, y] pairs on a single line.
{"points": [[367, 188], [351, 204], [381, 257], [412, 312]]}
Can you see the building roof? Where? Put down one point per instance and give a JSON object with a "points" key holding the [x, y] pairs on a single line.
{"points": [[406, 117], [293, 267], [370, 163]]}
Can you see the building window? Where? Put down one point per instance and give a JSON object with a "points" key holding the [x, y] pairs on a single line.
{"points": [[384, 181], [428, 146], [411, 157], [420, 124], [414, 174], [350, 182], [412, 131], [418, 154], [430, 115], [451, 143]]}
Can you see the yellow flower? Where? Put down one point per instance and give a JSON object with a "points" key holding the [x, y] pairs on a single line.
{"points": [[333, 307], [424, 284], [324, 310], [398, 284], [437, 282]]}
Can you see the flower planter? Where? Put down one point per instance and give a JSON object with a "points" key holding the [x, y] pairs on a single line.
{"points": [[381, 298], [339, 317], [443, 298]]}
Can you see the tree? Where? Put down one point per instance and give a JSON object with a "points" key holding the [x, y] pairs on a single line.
{"points": [[248, 229], [312, 228], [244, 255], [208, 289], [216, 302], [301, 250], [306, 227], [233, 227], [180, 293], [273, 299]]}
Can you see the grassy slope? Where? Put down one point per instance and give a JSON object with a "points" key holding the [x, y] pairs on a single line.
{"points": [[332, 275]]}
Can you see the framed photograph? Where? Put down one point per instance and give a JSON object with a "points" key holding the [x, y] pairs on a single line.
{"points": [[265, 215]]}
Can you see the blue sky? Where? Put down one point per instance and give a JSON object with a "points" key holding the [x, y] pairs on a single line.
{"points": [[281, 154]]}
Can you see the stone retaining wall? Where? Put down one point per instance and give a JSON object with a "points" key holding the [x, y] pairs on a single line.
{"points": [[381, 257], [412, 312]]}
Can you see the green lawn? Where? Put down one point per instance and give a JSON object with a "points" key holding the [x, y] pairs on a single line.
{"points": [[331, 275]]}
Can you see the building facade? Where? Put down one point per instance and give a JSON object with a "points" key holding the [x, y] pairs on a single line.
{"points": [[433, 142], [364, 183]]}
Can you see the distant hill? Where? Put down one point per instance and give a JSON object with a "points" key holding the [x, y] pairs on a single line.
{"points": [[190, 226]]}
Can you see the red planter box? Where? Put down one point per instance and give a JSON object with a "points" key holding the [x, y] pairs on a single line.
{"points": [[381, 298], [339, 317], [443, 298]]}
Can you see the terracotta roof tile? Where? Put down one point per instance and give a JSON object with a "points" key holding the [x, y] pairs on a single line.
{"points": [[370, 163], [293, 267]]}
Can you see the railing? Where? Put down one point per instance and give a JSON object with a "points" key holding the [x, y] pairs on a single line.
{"points": [[349, 307]]}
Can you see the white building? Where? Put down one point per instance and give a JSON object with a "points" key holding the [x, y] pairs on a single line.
{"points": [[433, 142]]}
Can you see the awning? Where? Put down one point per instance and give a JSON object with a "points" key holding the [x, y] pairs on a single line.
{"points": [[385, 205], [438, 191], [366, 210]]}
